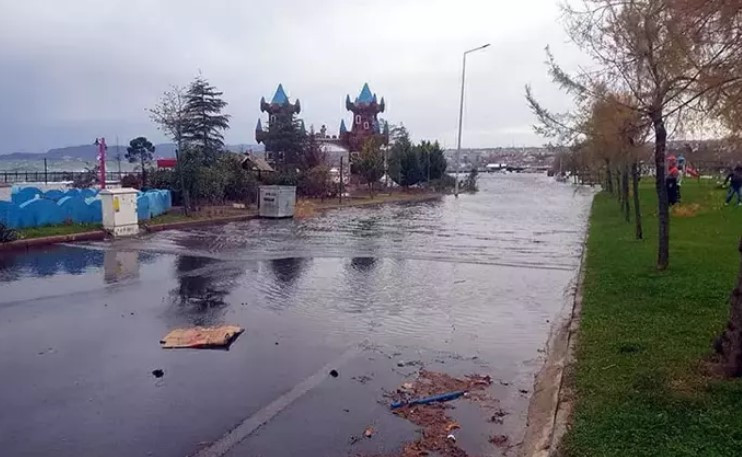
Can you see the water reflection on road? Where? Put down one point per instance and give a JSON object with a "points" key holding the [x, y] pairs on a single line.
{"points": [[476, 278]]}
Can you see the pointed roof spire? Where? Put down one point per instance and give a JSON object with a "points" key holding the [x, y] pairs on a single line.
{"points": [[280, 97], [301, 123], [343, 128], [365, 96], [259, 127]]}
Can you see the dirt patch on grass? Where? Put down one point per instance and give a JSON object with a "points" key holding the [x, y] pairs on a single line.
{"points": [[304, 209], [689, 210]]}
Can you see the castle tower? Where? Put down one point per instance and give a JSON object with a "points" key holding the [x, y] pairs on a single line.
{"points": [[365, 123], [280, 118]]}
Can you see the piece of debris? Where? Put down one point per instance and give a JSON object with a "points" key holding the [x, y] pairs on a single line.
{"points": [[523, 391], [334, 373], [369, 432], [346, 410], [497, 417], [405, 388], [436, 437], [363, 379], [158, 373], [276, 343], [354, 439], [500, 440], [448, 396], [202, 337]]}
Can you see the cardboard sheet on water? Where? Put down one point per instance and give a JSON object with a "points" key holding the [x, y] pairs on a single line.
{"points": [[202, 337]]}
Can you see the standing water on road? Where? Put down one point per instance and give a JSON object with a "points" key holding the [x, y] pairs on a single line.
{"points": [[467, 285]]}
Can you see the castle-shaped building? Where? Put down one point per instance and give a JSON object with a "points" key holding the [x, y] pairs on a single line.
{"points": [[365, 124], [280, 118]]}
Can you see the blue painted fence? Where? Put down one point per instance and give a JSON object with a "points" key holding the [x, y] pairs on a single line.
{"points": [[31, 207]]}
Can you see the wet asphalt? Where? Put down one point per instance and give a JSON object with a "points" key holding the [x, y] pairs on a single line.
{"points": [[459, 286]]}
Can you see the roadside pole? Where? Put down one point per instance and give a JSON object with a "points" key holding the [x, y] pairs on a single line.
{"points": [[340, 193]]}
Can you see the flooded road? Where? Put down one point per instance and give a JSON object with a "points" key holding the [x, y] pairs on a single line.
{"points": [[468, 285]]}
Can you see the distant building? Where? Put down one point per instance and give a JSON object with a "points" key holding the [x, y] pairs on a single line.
{"points": [[280, 118], [365, 124]]}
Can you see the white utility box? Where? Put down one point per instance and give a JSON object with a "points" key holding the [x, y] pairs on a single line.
{"points": [[277, 201], [120, 211]]}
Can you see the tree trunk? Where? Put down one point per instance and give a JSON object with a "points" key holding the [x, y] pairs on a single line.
{"points": [[625, 193], [179, 158], [609, 177], [729, 344], [663, 206], [637, 208], [144, 175], [618, 185]]}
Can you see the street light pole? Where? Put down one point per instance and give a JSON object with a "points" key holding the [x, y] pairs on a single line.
{"points": [[461, 117]]}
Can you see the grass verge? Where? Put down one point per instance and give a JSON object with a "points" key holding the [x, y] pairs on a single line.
{"points": [[56, 230], [641, 383]]}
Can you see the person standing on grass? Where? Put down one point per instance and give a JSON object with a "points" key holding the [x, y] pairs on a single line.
{"points": [[671, 181], [735, 185]]}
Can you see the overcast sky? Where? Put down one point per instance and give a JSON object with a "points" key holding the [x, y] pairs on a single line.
{"points": [[73, 70]]}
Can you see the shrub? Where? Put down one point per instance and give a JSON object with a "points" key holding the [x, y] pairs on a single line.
{"points": [[315, 182], [131, 180], [7, 234], [164, 179], [86, 179], [240, 184]]}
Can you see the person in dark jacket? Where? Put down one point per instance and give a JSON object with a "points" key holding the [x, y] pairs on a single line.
{"points": [[735, 185], [671, 181]]}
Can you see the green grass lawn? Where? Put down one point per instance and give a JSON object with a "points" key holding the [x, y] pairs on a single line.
{"points": [[54, 230], [169, 218], [641, 378]]}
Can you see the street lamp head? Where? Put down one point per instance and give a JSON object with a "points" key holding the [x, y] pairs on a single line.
{"points": [[479, 48]]}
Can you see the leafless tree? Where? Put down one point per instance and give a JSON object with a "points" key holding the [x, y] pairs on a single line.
{"points": [[677, 59], [171, 117]]}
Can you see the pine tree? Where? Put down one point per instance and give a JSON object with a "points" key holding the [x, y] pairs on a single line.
{"points": [[140, 150], [205, 122]]}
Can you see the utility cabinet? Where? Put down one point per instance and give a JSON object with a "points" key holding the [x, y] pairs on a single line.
{"points": [[277, 201], [120, 211]]}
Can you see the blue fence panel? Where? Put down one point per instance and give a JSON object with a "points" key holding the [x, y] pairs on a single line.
{"points": [[23, 194], [88, 192], [74, 209], [9, 214], [95, 212], [40, 212], [54, 195], [143, 211]]}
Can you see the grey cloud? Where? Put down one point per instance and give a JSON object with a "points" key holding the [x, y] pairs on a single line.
{"points": [[78, 69]]}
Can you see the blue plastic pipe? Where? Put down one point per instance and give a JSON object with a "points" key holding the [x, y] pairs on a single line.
{"points": [[427, 400]]}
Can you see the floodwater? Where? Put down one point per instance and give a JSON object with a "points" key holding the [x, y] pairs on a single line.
{"points": [[467, 285]]}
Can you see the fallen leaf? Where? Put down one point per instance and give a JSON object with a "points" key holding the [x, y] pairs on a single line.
{"points": [[452, 426]]}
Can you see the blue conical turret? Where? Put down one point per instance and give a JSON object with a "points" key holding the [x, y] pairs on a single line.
{"points": [[280, 98], [343, 129], [365, 96]]}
